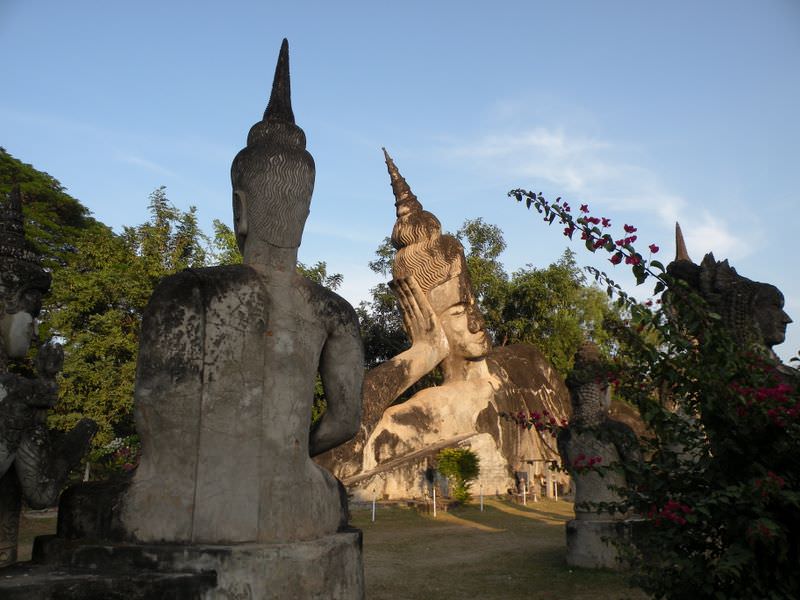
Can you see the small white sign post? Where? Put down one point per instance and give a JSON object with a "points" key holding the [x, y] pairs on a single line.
{"points": [[434, 500], [481, 497], [374, 498], [524, 493]]}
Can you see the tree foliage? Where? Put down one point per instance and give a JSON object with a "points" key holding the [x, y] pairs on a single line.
{"points": [[461, 466]]}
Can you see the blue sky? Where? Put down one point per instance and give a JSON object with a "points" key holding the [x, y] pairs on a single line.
{"points": [[649, 112]]}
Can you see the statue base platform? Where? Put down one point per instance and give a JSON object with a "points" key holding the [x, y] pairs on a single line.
{"points": [[590, 543], [325, 568]]}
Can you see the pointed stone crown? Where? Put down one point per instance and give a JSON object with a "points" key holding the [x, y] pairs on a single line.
{"points": [[274, 170]]}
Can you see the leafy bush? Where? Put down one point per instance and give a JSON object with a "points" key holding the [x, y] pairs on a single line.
{"points": [[461, 466], [719, 494]]}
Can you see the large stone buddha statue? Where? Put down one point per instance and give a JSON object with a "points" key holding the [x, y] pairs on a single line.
{"points": [[227, 364], [226, 501], [479, 383]]}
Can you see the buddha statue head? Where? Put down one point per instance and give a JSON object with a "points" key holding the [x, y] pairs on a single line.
{"points": [[589, 392], [753, 311], [273, 176], [23, 281], [438, 265]]}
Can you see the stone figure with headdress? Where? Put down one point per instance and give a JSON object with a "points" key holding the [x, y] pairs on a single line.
{"points": [[591, 447], [32, 466], [446, 328], [752, 311]]}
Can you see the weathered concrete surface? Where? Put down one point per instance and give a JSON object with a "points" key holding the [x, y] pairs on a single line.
{"points": [[223, 402], [589, 543], [27, 581], [323, 568]]}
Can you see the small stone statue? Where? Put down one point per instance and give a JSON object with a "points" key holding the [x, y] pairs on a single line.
{"points": [[32, 466], [590, 448], [752, 311]]}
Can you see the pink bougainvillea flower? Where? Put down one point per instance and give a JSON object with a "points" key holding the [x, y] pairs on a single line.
{"points": [[606, 222], [653, 248], [629, 228], [584, 208], [616, 259]]}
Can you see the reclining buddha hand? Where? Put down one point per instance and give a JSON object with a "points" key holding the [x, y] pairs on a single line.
{"points": [[421, 322]]}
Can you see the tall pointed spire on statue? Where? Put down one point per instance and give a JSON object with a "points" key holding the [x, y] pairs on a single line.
{"points": [[273, 176], [280, 99], [680, 246], [404, 199]]}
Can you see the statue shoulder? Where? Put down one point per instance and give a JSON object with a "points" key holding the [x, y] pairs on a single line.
{"points": [[184, 284], [329, 306]]}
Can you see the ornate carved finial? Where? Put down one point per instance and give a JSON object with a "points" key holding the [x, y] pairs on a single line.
{"points": [[274, 173], [404, 198], [279, 107], [680, 246]]}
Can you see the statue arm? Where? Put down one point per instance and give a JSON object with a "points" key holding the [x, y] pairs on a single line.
{"points": [[429, 346], [341, 369]]}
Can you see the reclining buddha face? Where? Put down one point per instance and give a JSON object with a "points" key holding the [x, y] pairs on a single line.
{"points": [[461, 321]]}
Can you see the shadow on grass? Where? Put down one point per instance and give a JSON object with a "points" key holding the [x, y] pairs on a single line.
{"points": [[505, 552]]}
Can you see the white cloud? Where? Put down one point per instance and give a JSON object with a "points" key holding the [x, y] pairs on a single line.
{"points": [[145, 164], [602, 173]]}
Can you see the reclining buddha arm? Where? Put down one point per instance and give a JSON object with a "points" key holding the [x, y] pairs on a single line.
{"points": [[429, 346], [341, 369]]}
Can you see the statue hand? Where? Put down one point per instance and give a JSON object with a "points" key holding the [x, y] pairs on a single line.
{"points": [[419, 318]]}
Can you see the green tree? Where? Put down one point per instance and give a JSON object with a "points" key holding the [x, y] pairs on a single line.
{"points": [[96, 305], [224, 249], [555, 310], [53, 218], [461, 466], [381, 324], [483, 244]]}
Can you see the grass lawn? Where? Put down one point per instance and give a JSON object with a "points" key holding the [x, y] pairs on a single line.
{"points": [[507, 552]]}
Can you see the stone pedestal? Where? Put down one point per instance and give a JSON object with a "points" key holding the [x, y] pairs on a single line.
{"points": [[321, 569], [589, 543]]}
